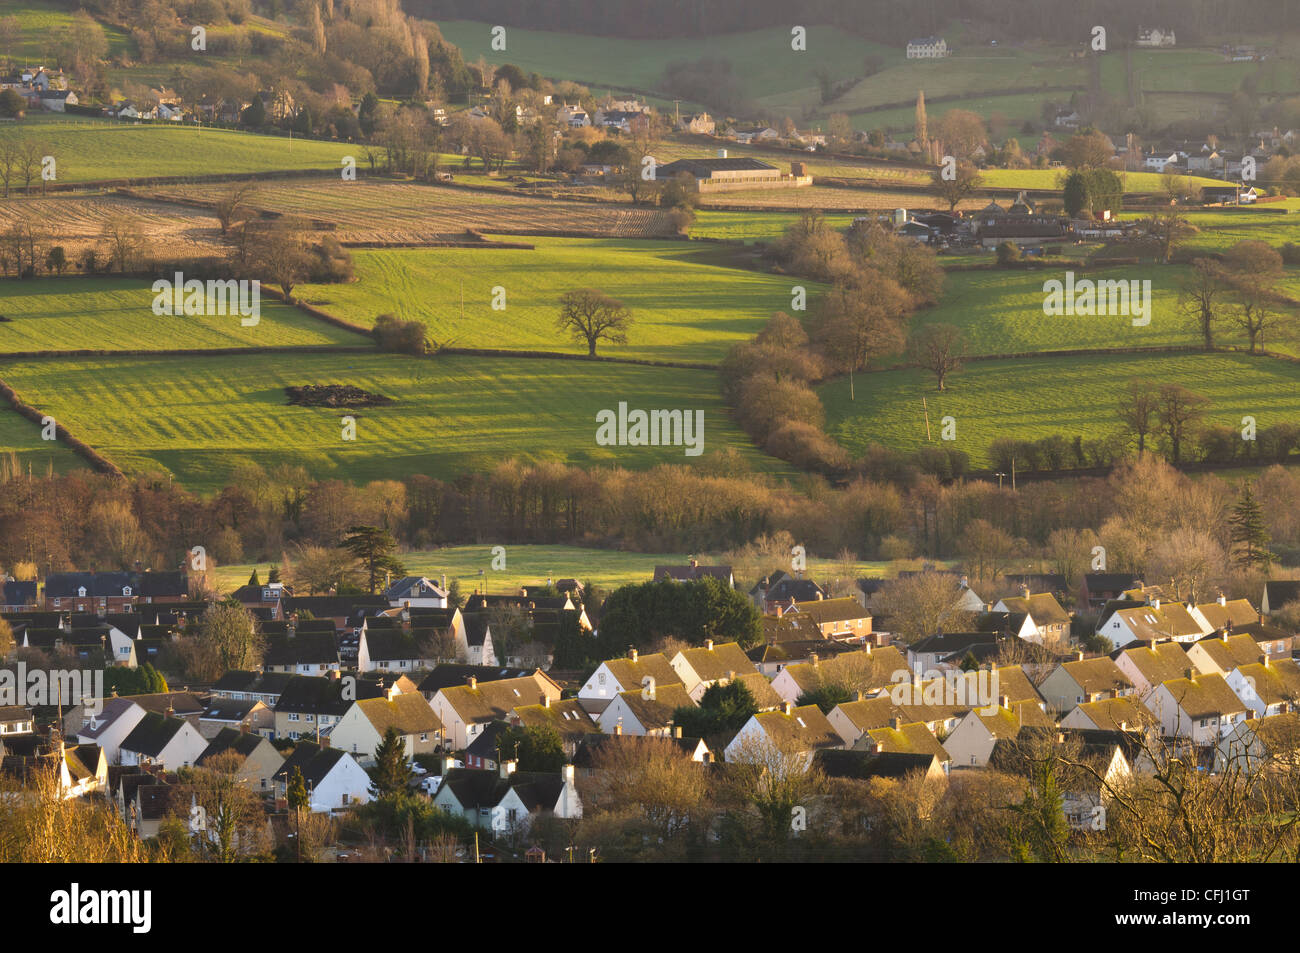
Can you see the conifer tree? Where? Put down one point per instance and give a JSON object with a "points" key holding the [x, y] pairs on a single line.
{"points": [[1250, 538]]}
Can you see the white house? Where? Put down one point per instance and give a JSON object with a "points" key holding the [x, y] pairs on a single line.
{"points": [[644, 711], [507, 801], [362, 727], [466, 710], [1084, 680], [973, 740], [927, 47], [1220, 654], [416, 591], [792, 732], [1146, 666], [703, 666], [1050, 623], [1267, 687], [1203, 709], [1156, 36], [1109, 714], [109, 727], [334, 779], [156, 739], [1150, 623], [1157, 162], [616, 676]]}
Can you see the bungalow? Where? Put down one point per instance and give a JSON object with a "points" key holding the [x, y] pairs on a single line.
{"points": [[871, 669], [464, 710], [1084, 680], [1203, 709], [773, 657], [751, 133], [335, 781], [791, 731], [157, 739], [258, 759], [645, 711], [362, 727], [1159, 161], [616, 676], [507, 801]]}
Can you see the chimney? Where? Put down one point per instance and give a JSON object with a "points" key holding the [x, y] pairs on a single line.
{"points": [[812, 658], [695, 563], [566, 772], [1189, 674], [1080, 653], [880, 747], [1123, 726], [618, 729], [677, 731], [731, 677], [722, 153], [788, 708], [857, 695], [895, 722], [1004, 701], [473, 683], [1223, 600], [1060, 737], [1155, 604], [631, 653], [1024, 592], [1265, 661], [444, 582], [508, 768], [708, 645], [820, 597], [448, 763], [546, 701], [1224, 636], [780, 610]]}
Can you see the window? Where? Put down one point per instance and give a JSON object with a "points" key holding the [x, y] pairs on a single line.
{"points": [[346, 797], [293, 716], [424, 736]]}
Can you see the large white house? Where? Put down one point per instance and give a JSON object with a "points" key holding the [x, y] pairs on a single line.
{"points": [[1156, 36], [927, 47]]}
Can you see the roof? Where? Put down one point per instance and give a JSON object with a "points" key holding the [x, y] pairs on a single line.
{"points": [[409, 714], [657, 712], [386, 645], [1042, 607], [67, 584], [1114, 714], [590, 747], [912, 738], [1158, 662], [152, 734], [312, 760], [155, 584], [1232, 612], [1116, 582], [689, 572], [229, 739], [321, 696], [567, 716], [230, 709], [1227, 652], [474, 787], [1098, 675], [724, 659], [112, 710], [18, 593], [782, 587], [492, 701], [303, 648], [414, 587], [863, 765], [823, 611], [1275, 682], [446, 675], [704, 168], [1282, 591], [804, 729], [260, 683], [1204, 696], [629, 673], [1262, 632]]}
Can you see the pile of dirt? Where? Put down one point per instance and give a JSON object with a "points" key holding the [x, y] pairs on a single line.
{"points": [[334, 395]]}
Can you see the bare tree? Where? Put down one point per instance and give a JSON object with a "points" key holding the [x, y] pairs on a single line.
{"points": [[937, 348], [124, 236], [1198, 298], [1179, 411], [861, 320], [922, 605], [1138, 409], [593, 316], [233, 202]]}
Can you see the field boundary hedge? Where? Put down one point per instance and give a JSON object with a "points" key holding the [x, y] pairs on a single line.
{"points": [[88, 453], [189, 352]]}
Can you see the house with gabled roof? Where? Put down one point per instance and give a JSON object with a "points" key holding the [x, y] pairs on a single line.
{"points": [[1098, 588], [887, 666], [18, 596], [898, 737], [1271, 641], [771, 658], [507, 801], [416, 591], [693, 570], [705, 665], [1267, 687], [335, 782], [90, 591], [157, 739], [781, 587], [1149, 664], [1203, 709], [1151, 623], [243, 715], [971, 743], [1084, 680], [615, 676], [79, 770], [1050, 623], [1222, 653], [1108, 714], [1224, 613], [310, 706], [1260, 742], [830, 618], [258, 759], [390, 650], [477, 646], [593, 750], [567, 716], [362, 727], [795, 732], [264, 687], [644, 711], [302, 652], [465, 710], [109, 727], [447, 674], [864, 764]]}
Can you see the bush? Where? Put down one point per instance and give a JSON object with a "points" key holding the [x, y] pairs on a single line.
{"points": [[402, 337], [806, 447], [1008, 253]]}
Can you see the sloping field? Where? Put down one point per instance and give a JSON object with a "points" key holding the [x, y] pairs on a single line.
{"points": [[375, 211], [198, 418]]}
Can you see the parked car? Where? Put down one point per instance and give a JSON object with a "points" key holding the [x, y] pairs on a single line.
{"points": [[430, 784], [417, 768]]}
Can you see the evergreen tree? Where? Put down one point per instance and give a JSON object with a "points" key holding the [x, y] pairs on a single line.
{"points": [[1250, 538], [1038, 829], [391, 773], [922, 133], [298, 799], [255, 115], [373, 548], [274, 575], [253, 580]]}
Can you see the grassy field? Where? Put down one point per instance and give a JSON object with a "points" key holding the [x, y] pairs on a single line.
{"points": [[197, 418], [772, 73], [683, 308], [110, 314], [21, 445], [1032, 398], [42, 29], [1053, 178], [88, 150], [752, 226], [531, 565]]}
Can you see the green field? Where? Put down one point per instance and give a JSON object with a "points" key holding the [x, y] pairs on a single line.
{"points": [[753, 226], [109, 314], [771, 72], [1032, 398], [21, 443], [89, 150], [1053, 179], [532, 565], [41, 30], [683, 308], [197, 418]]}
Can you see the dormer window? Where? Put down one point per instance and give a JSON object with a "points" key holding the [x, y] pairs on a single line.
{"points": [[126, 590], [81, 592]]}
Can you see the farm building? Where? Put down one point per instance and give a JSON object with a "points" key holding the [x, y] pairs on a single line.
{"points": [[727, 174]]}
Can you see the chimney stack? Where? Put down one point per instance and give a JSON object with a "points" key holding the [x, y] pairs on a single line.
{"points": [[731, 677], [546, 701], [1024, 592], [677, 731], [895, 722], [618, 729], [708, 645], [1155, 604], [788, 708], [508, 768], [631, 653], [1223, 600], [473, 683], [1080, 655], [780, 610], [1005, 701], [566, 772], [812, 658], [857, 695]]}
